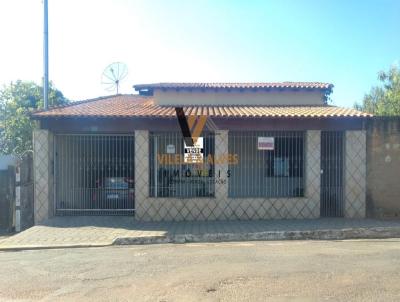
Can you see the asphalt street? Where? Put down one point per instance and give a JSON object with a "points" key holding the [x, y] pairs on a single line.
{"points": [[357, 270]]}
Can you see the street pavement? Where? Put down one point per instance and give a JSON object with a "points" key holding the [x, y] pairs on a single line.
{"points": [[352, 270]]}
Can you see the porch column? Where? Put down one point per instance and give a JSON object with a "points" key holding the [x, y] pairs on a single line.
{"points": [[355, 174], [141, 172], [43, 175], [221, 149], [313, 172]]}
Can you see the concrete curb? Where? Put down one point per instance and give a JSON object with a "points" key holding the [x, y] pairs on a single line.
{"points": [[328, 234], [15, 248], [322, 234]]}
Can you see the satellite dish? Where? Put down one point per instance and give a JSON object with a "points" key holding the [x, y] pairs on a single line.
{"points": [[112, 76]]}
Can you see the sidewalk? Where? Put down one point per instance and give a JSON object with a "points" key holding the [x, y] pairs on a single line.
{"points": [[61, 232], [4, 236]]}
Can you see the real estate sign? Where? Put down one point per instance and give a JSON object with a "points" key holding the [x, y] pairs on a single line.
{"points": [[194, 154], [266, 143]]}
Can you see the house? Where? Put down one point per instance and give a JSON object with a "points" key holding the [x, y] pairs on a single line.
{"points": [[202, 151]]}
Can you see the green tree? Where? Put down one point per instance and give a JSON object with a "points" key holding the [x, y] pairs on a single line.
{"points": [[384, 99], [17, 101]]}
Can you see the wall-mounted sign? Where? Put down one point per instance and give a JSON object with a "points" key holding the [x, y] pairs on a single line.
{"points": [[194, 154], [266, 143], [170, 149]]}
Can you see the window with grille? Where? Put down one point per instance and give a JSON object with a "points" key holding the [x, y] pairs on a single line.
{"points": [[170, 176], [274, 171]]}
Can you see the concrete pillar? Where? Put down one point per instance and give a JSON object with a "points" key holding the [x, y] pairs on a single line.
{"points": [[221, 149], [141, 173], [43, 175], [313, 172], [355, 174], [221, 205]]}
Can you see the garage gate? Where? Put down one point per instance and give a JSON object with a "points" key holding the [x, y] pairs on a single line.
{"points": [[94, 174]]}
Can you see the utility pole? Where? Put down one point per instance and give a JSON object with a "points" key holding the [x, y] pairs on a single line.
{"points": [[45, 56]]}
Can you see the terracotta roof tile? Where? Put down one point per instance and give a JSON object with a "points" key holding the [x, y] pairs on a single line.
{"points": [[142, 106]]}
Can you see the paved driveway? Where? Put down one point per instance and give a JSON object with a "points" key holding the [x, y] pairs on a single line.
{"points": [[4, 234], [103, 231], [4, 237], [241, 271]]}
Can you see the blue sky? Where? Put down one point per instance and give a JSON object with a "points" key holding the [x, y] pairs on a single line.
{"points": [[342, 42]]}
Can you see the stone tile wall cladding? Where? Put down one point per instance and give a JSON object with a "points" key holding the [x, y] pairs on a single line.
{"points": [[221, 207], [43, 174], [355, 174]]}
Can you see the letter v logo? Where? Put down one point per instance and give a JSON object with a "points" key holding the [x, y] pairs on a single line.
{"points": [[191, 127]]}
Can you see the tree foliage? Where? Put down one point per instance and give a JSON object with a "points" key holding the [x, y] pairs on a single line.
{"points": [[384, 99], [17, 101]]}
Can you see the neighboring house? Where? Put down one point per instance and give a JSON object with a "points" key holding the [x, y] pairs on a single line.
{"points": [[267, 150], [6, 161]]}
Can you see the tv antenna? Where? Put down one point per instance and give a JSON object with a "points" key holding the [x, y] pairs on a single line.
{"points": [[112, 76]]}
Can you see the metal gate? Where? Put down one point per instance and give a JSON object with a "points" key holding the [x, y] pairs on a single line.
{"points": [[94, 174], [332, 150]]}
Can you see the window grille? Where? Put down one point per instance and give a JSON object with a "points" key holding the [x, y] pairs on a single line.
{"points": [[278, 172], [94, 174], [170, 176]]}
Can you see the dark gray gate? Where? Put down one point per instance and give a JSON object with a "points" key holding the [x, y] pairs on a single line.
{"points": [[332, 150], [94, 174], [7, 197]]}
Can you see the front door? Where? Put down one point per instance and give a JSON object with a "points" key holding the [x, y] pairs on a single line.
{"points": [[332, 150]]}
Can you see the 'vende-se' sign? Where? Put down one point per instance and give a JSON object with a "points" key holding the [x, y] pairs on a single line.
{"points": [[194, 154], [266, 143]]}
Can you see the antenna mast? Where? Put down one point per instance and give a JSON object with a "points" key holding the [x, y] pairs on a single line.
{"points": [[112, 76], [45, 55]]}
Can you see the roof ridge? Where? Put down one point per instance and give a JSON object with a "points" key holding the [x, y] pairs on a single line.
{"points": [[247, 105], [238, 85], [218, 82]]}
